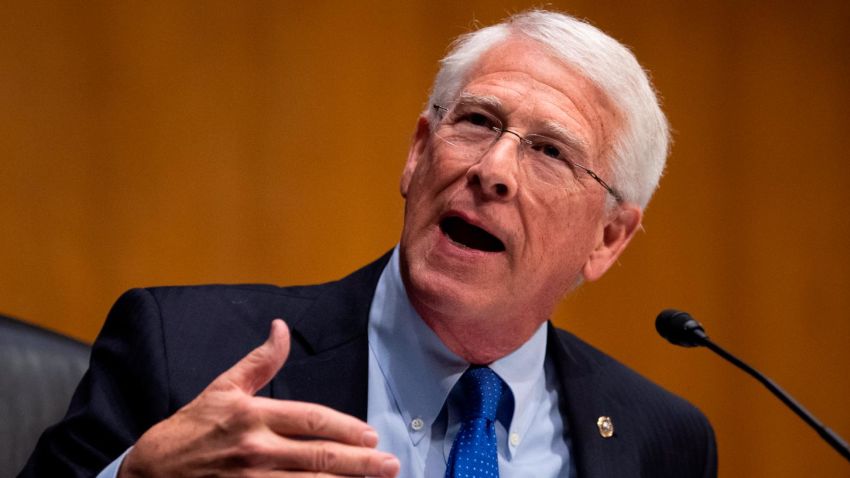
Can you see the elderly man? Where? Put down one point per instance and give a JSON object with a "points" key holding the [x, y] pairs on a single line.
{"points": [[527, 174]]}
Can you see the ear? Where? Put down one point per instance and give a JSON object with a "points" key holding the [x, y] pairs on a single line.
{"points": [[616, 235], [417, 149]]}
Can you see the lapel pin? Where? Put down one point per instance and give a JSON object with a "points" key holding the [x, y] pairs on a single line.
{"points": [[606, 426]]}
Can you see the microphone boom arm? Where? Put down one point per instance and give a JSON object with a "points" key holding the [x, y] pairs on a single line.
{"points": [[828, 435]]}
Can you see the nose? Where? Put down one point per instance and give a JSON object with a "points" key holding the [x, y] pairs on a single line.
{"points": [[495, 173]]}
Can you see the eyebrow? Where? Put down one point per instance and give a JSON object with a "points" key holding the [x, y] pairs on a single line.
{"points": [[480, 100], [550, 127]]}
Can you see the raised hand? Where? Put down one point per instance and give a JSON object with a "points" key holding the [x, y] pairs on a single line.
{"points": [[227, 431]]}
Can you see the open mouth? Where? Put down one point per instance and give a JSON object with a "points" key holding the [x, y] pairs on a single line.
{"points": [[469, 236]]}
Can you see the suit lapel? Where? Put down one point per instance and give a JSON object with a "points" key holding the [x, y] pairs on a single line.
{"points": [[583, 401], [329, 365], [338, 380], [329, 361]]}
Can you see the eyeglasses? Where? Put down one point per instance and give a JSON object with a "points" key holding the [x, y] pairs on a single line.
{"points": [[472, 131]]}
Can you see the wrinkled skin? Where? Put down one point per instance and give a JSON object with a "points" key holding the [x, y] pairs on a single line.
{"points": [[484, 305]]}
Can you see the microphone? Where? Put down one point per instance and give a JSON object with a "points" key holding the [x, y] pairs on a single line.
{"points": [[679, 328]]}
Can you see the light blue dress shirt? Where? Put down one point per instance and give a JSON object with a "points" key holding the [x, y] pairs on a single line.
{"points": [[414, 409]]}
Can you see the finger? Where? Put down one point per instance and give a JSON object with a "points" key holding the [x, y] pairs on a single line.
{"points": [[337, 458], [299, 474], [311, 420], [304, 474], [258, 367]]}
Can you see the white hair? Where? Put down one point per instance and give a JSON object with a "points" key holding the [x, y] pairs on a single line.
{"points": [[639, 149]]}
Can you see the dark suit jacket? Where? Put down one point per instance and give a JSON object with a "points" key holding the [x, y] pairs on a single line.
{"points": [[160, 347]]}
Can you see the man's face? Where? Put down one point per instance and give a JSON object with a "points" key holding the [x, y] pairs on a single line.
{"points": [[538, 239]]}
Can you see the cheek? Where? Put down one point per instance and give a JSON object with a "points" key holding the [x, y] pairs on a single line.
{"points": [[554, 214], [434, 174], [426, 191], [564, 229]]}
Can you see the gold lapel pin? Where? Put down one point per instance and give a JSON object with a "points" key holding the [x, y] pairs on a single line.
{"points": [[606, 426]]}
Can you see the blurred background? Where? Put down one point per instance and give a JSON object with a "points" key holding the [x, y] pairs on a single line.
{"points": [[176, 142]]}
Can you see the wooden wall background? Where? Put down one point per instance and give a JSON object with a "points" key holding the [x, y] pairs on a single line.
{"points": [[174, 142]]}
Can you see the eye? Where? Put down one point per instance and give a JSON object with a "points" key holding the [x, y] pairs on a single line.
{"points": [[548, 149], [478, 119]]}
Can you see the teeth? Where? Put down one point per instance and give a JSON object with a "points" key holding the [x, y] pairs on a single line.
{"points": [[472, 237]]}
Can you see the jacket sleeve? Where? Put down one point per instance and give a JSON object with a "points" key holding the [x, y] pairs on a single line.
{"points": [[123, 393]]}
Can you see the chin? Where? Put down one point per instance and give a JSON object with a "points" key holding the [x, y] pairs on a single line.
{"points": [[437, 293]]}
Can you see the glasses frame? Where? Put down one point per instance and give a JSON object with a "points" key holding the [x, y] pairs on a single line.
{"points": [[441, 110]]}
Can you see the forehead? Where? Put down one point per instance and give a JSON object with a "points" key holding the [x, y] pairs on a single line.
{"points": [[535, 87]]}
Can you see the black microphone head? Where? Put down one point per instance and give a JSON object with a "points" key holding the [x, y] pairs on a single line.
{"points": [[679, 328]]}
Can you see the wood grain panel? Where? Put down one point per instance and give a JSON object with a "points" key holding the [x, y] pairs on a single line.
{"points": [[148, 143]]}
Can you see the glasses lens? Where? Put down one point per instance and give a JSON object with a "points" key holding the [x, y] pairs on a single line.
{"points": [[471, 131], [549, 161]]}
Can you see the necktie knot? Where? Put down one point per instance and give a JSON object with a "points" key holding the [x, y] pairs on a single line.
{"points": [[482, 390]]}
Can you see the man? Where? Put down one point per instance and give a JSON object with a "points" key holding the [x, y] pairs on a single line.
{"points": [[528, 172]]}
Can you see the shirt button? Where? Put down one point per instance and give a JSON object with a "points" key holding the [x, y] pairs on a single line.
{"points": [[416, 424], [514, 439]]}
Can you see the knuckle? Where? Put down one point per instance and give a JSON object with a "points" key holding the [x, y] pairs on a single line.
{"points": [[324, 457], [250, 445], [314, 420], [250, 452], [243, 416]]}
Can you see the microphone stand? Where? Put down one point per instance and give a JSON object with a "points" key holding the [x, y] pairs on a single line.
{"points": [[828, 435]]}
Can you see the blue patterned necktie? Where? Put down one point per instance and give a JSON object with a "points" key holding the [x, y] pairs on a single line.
{"points": [[474, 452]]}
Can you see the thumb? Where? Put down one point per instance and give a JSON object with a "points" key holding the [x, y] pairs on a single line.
{"points": [[258, 367]]}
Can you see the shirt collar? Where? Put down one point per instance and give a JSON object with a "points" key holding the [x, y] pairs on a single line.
{"points": [[421, 380]]}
